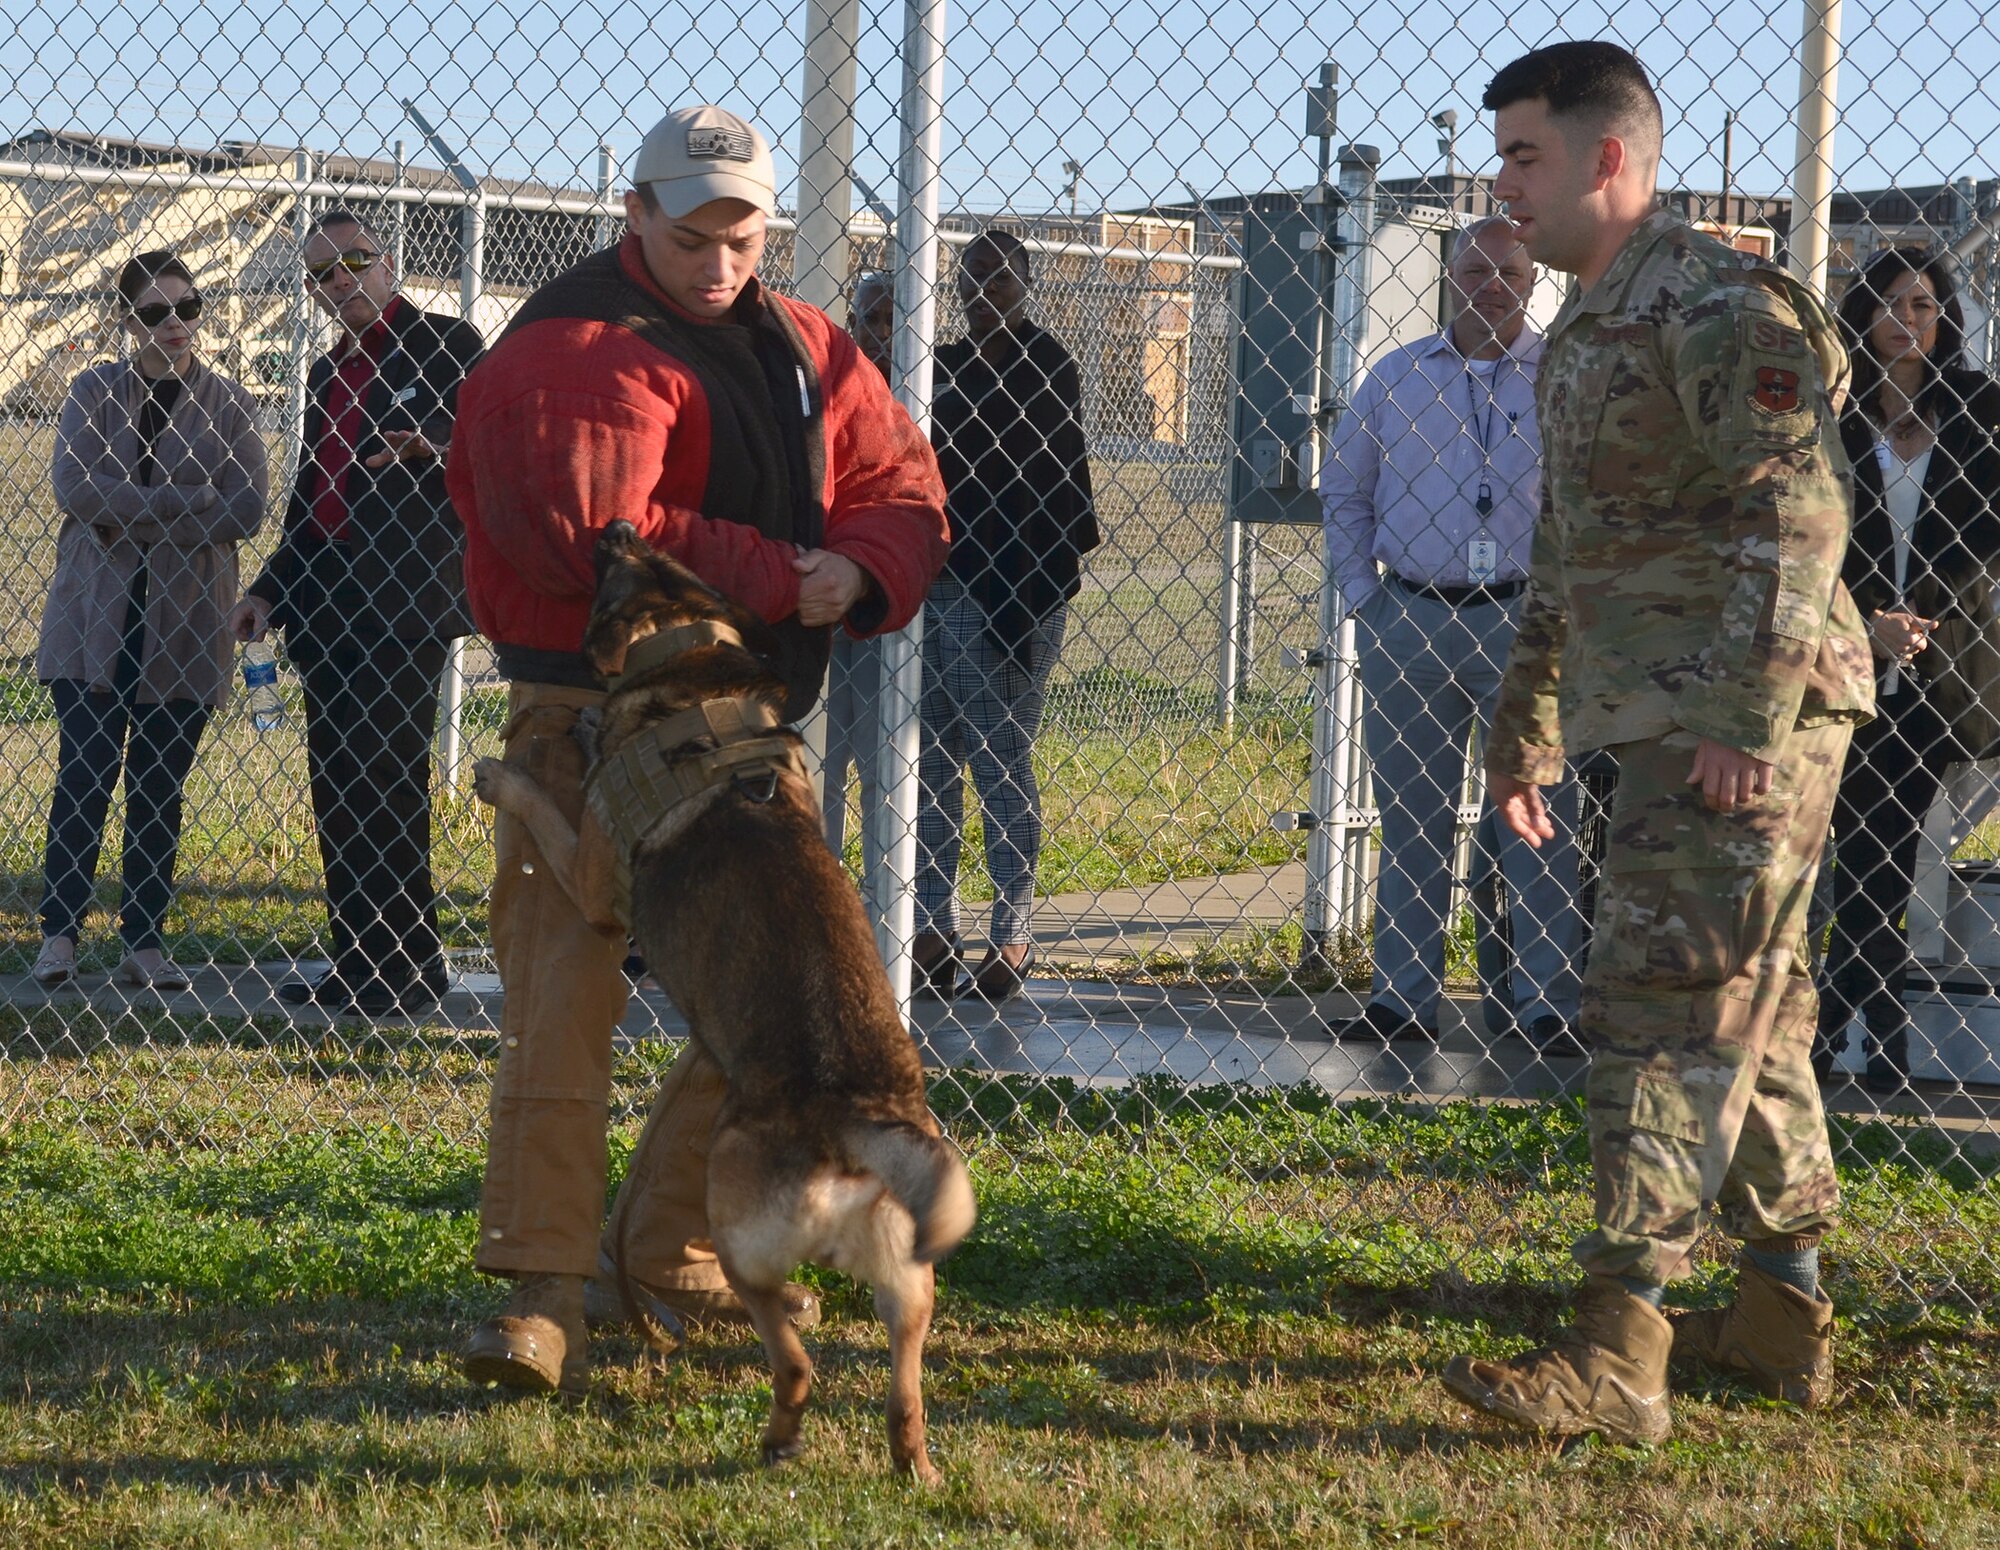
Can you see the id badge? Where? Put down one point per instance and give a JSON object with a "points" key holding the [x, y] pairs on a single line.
{"points": [[1482, 561]]}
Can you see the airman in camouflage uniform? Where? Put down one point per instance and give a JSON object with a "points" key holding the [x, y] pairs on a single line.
{"points": [[1685, 592], [1686, 584]]}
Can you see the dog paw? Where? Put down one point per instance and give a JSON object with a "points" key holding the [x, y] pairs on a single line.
{"points": [[490, 781]]}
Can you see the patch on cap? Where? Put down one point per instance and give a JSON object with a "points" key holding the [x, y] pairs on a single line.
{"points": [[716, 142]]}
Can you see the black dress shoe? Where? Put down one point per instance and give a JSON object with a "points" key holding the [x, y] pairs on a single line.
{"points": [[935, 977], [1380, 1024], [1556, 1038], [997, 981], [372, 997], [323, 989]]}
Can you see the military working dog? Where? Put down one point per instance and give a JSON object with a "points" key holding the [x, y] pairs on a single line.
{"points": [[825, 1150]]}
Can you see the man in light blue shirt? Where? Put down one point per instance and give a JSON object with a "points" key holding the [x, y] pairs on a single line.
{"points": [[1430, 492]]}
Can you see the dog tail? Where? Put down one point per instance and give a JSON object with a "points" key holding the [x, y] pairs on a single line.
{"points": [[926, 1174]]}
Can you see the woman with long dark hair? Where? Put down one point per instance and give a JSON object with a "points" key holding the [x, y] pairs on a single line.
{"points": [[1920, 430], [159, 473]]}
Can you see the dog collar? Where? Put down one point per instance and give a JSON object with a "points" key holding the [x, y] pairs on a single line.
{"points": [[657, 650]]}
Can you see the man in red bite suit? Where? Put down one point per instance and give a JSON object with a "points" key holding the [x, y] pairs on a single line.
{"points": [[744, 434]]}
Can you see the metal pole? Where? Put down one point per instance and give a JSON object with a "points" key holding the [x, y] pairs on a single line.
{"points": [[606, 231], [471, 280], [1728, 162], [301, 350], [1812, 180], [1232, 602], [1322, 787], [399, 248], [826, 146], [913, 352], [820, 244], [1337, 848]]}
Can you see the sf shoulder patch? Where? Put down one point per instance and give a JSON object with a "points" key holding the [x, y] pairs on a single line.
{"points": [[1774, 388]]}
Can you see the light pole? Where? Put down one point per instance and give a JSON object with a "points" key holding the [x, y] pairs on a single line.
{"points": [[1075, 171], [1447, 127]]}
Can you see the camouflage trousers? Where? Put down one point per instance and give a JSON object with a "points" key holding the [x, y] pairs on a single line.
{"points": [[1699, 1008]]}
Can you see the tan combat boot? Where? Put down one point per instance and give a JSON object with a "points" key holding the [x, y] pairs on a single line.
{"points": [[536, 1344], [1606, 1373], [667, 1307], [1782, 1338]]}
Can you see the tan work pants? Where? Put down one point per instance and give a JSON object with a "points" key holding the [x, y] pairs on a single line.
{"points": [[543, 1201]]}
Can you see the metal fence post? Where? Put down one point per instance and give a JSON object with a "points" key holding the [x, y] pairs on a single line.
{"points": [[1337, 848], [1812, 181], [300, 348], [471, 284], [916, 337], [820, 243], [604, 230]]}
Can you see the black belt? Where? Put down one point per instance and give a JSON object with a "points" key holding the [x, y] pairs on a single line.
{"points": [[1463, 597]]}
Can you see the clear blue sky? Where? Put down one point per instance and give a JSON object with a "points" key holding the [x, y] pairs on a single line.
{"points": [[1146, 93]]}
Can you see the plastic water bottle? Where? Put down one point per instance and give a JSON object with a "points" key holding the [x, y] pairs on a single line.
{"points": [[260, 683]]}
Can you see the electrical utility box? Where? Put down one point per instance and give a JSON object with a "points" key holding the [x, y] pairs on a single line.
{"points": [[1271, 473]]}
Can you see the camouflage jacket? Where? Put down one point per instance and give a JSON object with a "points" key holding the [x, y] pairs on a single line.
{"points": [[1695, 508]]}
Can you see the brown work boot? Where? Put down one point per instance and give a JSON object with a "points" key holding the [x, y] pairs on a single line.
{"points": [[536, 1344], [1782, 1338], [1606, 1373], [604, 1304]]}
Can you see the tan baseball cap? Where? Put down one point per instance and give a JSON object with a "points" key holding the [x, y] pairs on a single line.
{"points": [[697, 154]]}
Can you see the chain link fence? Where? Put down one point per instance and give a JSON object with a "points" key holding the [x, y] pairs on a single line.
{"points": [[1229, 239]]}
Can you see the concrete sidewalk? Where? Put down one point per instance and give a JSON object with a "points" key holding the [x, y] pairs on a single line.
{"points": [[1090, 1031], [1187, 916]]}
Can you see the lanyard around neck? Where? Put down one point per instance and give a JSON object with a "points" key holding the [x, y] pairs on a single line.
{"points": [[1483, 428]]}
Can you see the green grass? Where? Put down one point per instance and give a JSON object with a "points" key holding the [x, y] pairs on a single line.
{"points": [[1122, 808], [1186, 1318]]}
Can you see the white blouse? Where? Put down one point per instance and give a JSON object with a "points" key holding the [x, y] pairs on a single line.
{"points": [[1903, 494]]}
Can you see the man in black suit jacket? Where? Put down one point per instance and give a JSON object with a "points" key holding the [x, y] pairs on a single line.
{"points": [[368, 585]]}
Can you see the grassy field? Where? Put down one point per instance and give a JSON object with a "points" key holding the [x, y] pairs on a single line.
{"points": [[1122, 807], [1186, 1319]]}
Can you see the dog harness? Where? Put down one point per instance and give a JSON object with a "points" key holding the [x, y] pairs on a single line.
{"points": [[736, 741]]}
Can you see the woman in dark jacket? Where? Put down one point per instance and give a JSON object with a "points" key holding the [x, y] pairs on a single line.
{"points": [[1008, 426], [160, 472], [1920, 431]]}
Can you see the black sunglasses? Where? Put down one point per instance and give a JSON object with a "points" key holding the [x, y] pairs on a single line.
{"points": [[154, 313], [354, 261]]}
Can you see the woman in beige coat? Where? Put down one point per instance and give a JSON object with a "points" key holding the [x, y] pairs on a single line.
{"points": [[159, 472]]}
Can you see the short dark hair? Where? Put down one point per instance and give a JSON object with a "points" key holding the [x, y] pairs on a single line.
{"points": [[1589, 79], [648, 200], [340, 215], [142, 269], [1006, 247], [1870, 293]]}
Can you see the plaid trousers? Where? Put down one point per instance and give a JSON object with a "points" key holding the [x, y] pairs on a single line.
{"points": [[979, 707]]}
